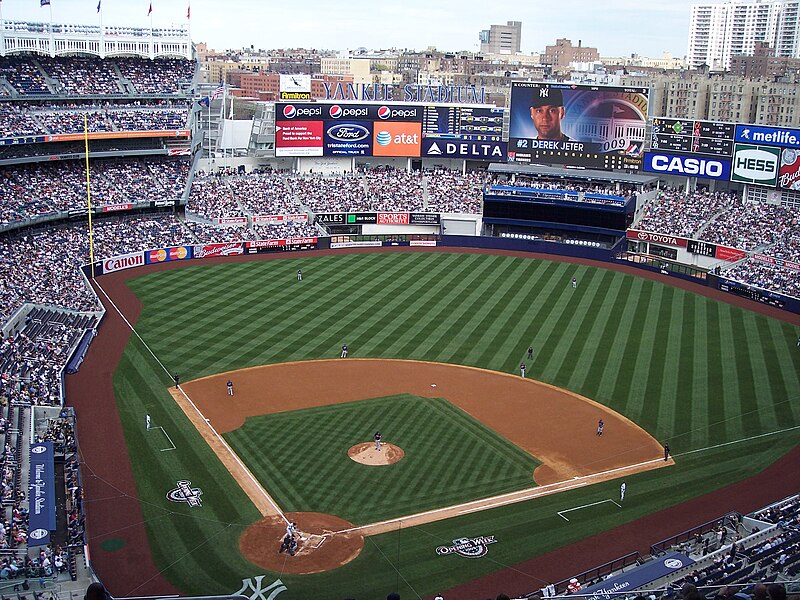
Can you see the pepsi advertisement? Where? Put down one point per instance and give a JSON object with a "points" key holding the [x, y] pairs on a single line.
{"points": [[592, 126], [347, 138]]}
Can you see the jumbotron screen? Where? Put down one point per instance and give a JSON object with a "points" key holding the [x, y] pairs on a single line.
{"points": [[591, 126]]}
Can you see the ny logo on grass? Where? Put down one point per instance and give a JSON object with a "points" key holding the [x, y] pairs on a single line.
{"points": [[259, 593]]}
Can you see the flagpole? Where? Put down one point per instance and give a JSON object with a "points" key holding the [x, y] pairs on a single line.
{"points": [[52, 42], [2, 32], [88, 190], [102, 42]]}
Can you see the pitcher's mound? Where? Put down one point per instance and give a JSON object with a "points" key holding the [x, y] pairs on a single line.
{"points": [[366, 454], [318, 549]]}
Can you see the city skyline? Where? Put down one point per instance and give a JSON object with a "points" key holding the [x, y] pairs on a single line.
{"points": [[620, 28]]}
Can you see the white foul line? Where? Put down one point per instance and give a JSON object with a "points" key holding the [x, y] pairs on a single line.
{"points": [[561, 512], [164, 431], [194, 406]]}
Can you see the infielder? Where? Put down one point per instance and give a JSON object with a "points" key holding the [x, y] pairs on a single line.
{"points": [[600, 427], [622, 489], [377, 440], [230, 387], [344, 350], [522, 370]]}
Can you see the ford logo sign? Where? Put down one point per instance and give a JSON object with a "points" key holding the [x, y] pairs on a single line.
{"points": [[348, 132]]}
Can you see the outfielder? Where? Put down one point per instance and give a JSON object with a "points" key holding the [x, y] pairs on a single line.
{"points": [[344, 350], [600, 427], [147, 422], [522, 370], [299, 275], [574, 283]]}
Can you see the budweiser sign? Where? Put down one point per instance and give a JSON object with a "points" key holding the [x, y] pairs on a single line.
{"points": [[123, 261], [208, 250], [789, 176], [658, 238]]}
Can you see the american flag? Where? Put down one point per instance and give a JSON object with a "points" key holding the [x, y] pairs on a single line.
{"points": [[218, 92]]}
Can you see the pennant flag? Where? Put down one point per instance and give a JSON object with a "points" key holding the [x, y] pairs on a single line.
{"points": [[189, 12], [45, 2], [149, 12], [204, 101], [98, 5], [218, 92]]}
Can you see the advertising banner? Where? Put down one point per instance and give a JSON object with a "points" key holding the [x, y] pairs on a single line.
{"points": [[579, 125], [777, 261], [105, 135], [231, 221], [295, 87], [396, 218], [657, 238], [348, 138], [397, 139], [729, 254], [495, 151], [758, 165], [123, 261], [209, 250], [22, 139], [42, 495], [789, 177], [637, 577], [168, 254], [298, 138], [769, 136], [115, 207], [361, 244], [424, 219], [688, 165], [422, 243]]}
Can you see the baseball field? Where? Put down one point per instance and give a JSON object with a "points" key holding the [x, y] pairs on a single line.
{"points": [[167, 511]]}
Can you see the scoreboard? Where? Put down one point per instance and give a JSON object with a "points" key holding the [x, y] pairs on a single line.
{"points": [[463, 123], [692, 137]]}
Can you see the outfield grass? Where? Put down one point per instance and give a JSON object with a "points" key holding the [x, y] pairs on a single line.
{"points": [[689, 370], [449, 458]]}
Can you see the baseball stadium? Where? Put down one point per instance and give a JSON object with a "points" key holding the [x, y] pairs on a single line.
{"points": [[239, 363]]}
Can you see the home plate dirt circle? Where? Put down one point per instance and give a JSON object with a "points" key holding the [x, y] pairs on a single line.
{"points": [[318, 549], [366, 454]]}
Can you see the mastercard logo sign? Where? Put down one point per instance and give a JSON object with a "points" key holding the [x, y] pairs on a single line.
{"points": [[157, 255], [178, 253]]}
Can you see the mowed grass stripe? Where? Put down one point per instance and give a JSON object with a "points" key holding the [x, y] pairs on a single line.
{"points": [[693, 361], [604, 353], [590, 316], [743, 357]]}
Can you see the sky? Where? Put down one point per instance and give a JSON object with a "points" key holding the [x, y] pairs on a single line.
{"points": [[614, 27]]}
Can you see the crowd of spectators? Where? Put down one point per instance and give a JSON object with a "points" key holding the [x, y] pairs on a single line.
{"points": [[452, 192], [340, 193], [263, 192], [676, 212], [28, 119], [78, 75], [33, 190], [770, 277], [753, 225], [395, 190]]}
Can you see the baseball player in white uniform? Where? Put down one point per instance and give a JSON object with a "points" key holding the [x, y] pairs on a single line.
{"points": [[622, 489], [377, 440]]}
